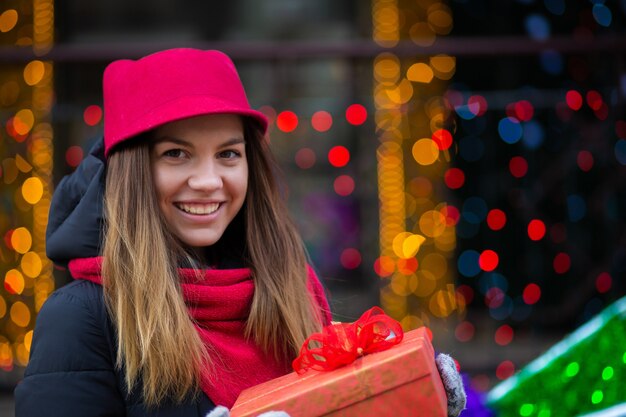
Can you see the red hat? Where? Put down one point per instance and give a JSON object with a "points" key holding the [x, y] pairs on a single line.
{"points": [[166, 86]]}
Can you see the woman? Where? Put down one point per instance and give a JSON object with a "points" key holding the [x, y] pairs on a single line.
{"points": [[193, 285]]}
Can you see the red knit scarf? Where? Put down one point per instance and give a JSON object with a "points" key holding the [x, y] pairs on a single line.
{"points": [[220, 306]]}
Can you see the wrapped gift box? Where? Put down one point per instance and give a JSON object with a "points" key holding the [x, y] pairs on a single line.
{"points": [[401, 381]]}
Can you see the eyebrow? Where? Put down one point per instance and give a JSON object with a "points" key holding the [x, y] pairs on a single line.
{"points": [[229, 142]]}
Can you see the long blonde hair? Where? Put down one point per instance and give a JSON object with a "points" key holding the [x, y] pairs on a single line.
{"points": [[141, 282]]}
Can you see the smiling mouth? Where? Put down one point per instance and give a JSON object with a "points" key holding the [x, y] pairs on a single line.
{"points": [[199, 209]]}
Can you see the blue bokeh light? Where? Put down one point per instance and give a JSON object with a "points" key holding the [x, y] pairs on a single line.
{"points": [[576, 208], [551, 62], [468, 263], [533, 135], [537, 27], [510, 130], [474, 210], [620, 151], [602, 15]]}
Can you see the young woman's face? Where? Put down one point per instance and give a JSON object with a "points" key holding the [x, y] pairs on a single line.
{"points": [[200, 175]]}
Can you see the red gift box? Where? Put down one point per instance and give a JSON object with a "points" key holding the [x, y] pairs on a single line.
{"points": [[401, 381]]}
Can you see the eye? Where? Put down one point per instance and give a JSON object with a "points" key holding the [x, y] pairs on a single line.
{"points": [[229, 154], [174, 153]]}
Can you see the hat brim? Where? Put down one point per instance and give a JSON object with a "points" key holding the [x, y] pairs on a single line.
{"points": [[178, 109]]}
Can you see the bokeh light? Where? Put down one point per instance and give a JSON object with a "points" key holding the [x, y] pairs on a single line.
{"points": [[92, 115], [287, 121], [425, 151], [343, 185], [305, 158], [356, 114], [321, 121], [339, 156]]}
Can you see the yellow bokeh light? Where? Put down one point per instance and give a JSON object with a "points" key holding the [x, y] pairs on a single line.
{"points": [[387, 68], [440, 20], [3, 307], [14, 281], [8, 20], [28, 339], [411, 245], [426, 283], [23, 121], [444, 66], [6, 355], [443, 303], [22, 164], [420, 73], [435, 264], [421, 187], [411, 322], [397, 243], [31, 264], [21, 354], [425, 151], [401, 93], [32, 190], [21, 240], [403, 285], [9, 170], [20, 314], [421, 34], [34, 72], [433, 223]]}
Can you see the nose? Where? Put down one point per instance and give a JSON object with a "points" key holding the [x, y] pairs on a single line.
{"points": [[205, 177]]}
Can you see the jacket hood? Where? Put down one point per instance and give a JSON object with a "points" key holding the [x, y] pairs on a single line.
{"points": [[75, 218]]}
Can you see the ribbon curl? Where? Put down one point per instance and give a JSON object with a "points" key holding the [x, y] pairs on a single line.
{"points": [[341, 343]]}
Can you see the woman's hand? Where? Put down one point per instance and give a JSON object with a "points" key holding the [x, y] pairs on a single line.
{"points": [[453, 384]]}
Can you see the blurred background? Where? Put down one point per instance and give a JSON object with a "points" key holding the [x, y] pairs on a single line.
{"points": [[460, 163]]}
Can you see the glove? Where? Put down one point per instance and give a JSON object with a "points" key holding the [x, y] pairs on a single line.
{"points": [[453, 384], [221, 411]]}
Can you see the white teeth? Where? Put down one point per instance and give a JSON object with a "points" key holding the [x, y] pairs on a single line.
{"points": [[198, 208]]}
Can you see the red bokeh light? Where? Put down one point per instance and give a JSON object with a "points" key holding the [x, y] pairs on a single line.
{"points": [[287, 121], [561, 263], [464, 331], [532, 294], [536, 229], [494, 297], [594, 100], [603, 112], [518, 166], [338, 156], [305, 158], [407, 266], [356, 114], [604, 282], [496, 219], [350, 258], [574, 100], [488, 260], [584, 159], [270, 113], [477, 105], [505, 370], [466, 292], [454, 178], [7, 239], [321, 121], [451, 214], [442, 138], [384, 266], [92, 115], [344, 185], [74, 155], [524, 110], [504, 335]]}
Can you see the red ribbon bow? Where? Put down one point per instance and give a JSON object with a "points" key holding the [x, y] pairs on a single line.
{"points": [[340, 344]]}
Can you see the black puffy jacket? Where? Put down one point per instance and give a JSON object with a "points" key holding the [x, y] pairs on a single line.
{"points": [[71, 372]]}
